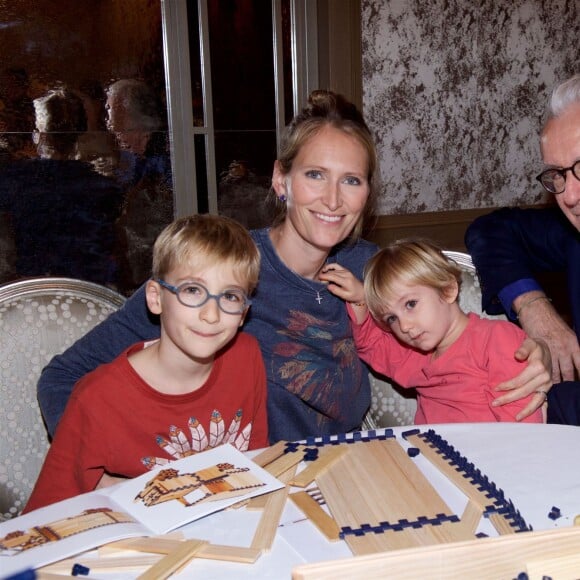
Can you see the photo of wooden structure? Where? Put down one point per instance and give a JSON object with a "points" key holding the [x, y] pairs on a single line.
{"points": [[94, 518], [215, 482]]}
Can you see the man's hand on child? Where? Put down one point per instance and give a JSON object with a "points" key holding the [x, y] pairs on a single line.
{"points": [[535, 379]]}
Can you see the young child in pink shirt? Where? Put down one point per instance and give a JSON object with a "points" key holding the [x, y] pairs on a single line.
{"points": [[411, 329]]}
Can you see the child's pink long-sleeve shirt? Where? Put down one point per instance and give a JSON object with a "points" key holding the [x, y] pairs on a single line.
{"points": [[458, 386]]}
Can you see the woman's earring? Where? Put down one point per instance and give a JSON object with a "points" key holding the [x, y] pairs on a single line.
{"points": [[283, 198]]}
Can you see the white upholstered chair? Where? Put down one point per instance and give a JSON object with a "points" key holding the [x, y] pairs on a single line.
{"points": [[392, 405], [39, 318]]}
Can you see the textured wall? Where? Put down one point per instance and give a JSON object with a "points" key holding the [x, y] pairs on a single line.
{"points": [[455, 92]]}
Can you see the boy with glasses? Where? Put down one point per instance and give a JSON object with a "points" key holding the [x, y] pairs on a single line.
{"points": [[510, 245], [201, 384]]}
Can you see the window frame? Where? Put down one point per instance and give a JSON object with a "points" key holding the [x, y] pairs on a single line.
{"points": [[303, 23]]}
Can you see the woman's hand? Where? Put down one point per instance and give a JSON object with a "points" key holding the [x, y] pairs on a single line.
{"points": [[535, 379]]}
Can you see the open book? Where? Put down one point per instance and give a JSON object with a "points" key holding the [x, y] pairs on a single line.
{"points": [[154, 503]]}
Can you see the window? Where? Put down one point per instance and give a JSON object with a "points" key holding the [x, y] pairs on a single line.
{"points": [[215, 82], [85, 176], [251, 67], [241, 96]]}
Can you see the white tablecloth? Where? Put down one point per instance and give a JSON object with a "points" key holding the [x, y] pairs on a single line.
{"points": [[535, 465]]}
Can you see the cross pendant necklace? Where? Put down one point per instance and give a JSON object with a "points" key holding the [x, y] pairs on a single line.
{"points": [[316, 293], [275, 236]]}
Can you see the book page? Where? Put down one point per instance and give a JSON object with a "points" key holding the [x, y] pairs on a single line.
{"points": [[191, 488], [153, 503], [63, 529]]}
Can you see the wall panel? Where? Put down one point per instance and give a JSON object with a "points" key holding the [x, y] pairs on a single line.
{"points": [[455, 93]]}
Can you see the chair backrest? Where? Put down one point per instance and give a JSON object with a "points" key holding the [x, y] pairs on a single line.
{"points": [[39, 318], [392, 405]]}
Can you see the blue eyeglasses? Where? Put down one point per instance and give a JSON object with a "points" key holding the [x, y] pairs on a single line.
{"points": [[194, 295]]}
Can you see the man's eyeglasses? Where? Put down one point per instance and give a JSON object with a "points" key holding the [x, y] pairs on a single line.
{"points": [[194, 295], [554, 180]]}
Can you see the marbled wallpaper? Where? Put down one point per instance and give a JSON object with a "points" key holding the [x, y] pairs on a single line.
{"points": [[455, 92]]}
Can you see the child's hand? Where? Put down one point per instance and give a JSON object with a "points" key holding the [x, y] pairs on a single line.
{"points": [[344, 284], [108, 480]]}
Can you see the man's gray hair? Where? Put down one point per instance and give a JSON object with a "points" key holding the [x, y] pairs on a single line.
{"points": [[564, 95], [139, 102]]}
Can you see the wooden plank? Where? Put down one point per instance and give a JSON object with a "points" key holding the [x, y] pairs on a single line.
{"points": [[280, 465], [317, 515], [377, 482], [274, 461], [326, 458], [447, 228], [108, 564], [258, 502], [561, 567], [473, 494], [471, 516], [478, 497], [165, 546], [284, 463], [152, 545], [270, 520], [501, 557], [501, 524], [270, 454], [173, 561], [238, 554]]}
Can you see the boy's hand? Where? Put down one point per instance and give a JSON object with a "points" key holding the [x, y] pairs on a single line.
{"points": [[108, 480]]}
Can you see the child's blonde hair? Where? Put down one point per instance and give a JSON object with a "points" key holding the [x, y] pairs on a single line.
{"points": [[413, 262], [205, 239]]}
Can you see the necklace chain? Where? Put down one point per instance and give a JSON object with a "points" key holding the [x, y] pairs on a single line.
{"points": [[302, 280]]}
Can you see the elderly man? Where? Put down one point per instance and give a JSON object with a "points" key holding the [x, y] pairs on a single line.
{"points": [[510, 245]]}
